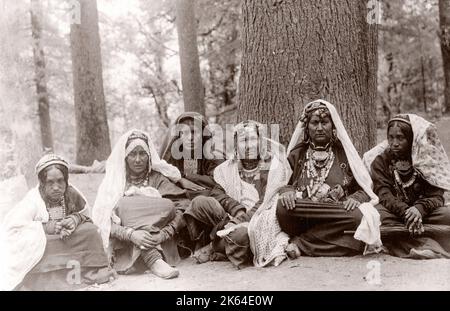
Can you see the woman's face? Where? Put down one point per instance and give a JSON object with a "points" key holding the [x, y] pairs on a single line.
{"points": [[320, 130], [138, 161], [55, 184], [398, 143], [191, 136], [247, 145]]}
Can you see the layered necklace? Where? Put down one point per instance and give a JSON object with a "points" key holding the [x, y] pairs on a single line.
{"points": [[56, 210], [403, 168], [318, 165], [249, 174], [139, 181]]}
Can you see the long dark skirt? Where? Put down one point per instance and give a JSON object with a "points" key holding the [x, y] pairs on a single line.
{"points": [[427, 246], [204, 217], [320, 231], [71, 263], [151, 215]]}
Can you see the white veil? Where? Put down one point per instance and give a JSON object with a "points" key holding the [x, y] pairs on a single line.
{"points": [[113, 185], [428, 155], [368, 231]]}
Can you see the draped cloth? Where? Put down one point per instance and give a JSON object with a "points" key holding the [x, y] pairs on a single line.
{"points": [[22, 238], [113, 185], [267, 241], [144, 213], [428, 155], [368, 231]]}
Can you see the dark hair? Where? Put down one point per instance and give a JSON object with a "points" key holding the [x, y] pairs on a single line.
{"points": [[206, 135], [42, 176], [307, 119], [405, 128]]}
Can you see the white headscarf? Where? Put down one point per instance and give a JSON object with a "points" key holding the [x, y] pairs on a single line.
{"points": [[267, 241], [428, 155], [368, 230], [22, 236], [113, 185], [227, 173]]}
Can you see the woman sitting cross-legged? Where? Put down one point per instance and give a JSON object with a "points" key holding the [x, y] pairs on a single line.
{"points": [[49, 241], [410, 172], [329, 190], [139, 208]]}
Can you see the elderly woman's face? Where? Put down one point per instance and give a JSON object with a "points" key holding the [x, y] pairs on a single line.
{"points": [[320, 130], [55, 184], [138, 161], [247, 144]]}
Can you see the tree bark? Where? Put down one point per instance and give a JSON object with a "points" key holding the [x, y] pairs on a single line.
{"points": [[40, 76], [444, 22], [193, 90], [295, 52], [92, 132]]}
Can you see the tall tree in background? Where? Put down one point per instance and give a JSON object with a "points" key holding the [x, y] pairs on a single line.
{"points": [[298, 51], [92, 133], [444, 21], [40, 75], [193, 91], [219, 46]]}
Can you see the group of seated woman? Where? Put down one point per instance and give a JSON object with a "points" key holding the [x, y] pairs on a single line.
{"points": [[258, 205]]}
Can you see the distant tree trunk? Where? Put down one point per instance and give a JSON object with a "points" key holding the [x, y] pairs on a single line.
{"points": [[92, 132], [159, 95], [391, 90], [297, 51], [193, 91], [222, 74], [444, 21], [40, 76]]}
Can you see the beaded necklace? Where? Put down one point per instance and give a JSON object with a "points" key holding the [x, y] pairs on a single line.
{"points": [[317, 170], [403, 185], [139, 182], [250, 175], [57, 211]]}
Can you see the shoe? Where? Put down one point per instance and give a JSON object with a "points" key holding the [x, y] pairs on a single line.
{"points": [[163, 270], [293, 251]]}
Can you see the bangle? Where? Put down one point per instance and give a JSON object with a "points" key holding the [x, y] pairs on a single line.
{"points": [[129, 233]]}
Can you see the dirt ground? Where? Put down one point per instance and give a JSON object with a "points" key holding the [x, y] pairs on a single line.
{"points": [[374, 272], [318, 274]]}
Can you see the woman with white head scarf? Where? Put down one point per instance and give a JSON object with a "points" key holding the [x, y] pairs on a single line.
{"points": [[411, 172], [49, 233], [243, 184], [329, 191], [138, 207]]}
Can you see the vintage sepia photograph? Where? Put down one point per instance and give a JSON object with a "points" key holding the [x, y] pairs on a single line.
{"points": [[224, 146]]}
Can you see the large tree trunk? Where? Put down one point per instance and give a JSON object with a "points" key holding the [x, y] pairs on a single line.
{"points": [[92, 133], [40, 76], [444, 21], [193, 91], [297, 51]]}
